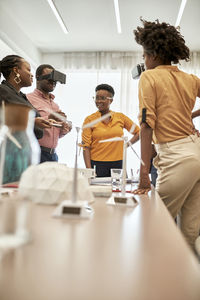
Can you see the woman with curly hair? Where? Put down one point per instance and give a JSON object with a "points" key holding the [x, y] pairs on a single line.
{"points": [[166, 98]]}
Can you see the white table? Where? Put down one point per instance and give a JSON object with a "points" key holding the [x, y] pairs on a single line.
{"points": [[120, 254]]}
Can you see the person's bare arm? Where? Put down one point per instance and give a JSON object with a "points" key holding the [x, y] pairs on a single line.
{"points": [[195, 113], [86, 156], [146, 151], [134, 139], [66, 128]]}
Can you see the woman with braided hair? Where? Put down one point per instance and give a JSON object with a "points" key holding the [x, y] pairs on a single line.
{"points": [[166, 99], [17, 74]]}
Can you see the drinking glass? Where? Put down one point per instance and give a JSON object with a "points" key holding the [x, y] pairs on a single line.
{"points": [[116, 179]]}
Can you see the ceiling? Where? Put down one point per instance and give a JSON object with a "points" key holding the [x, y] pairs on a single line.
{"points": [[91, 23]]}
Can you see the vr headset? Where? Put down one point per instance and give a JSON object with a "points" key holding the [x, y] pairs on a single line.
{"points": [[55, 76], [136, 72]]}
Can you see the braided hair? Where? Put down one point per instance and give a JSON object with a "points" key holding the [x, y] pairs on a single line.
{"points": [[8, 63], [163, 40]]}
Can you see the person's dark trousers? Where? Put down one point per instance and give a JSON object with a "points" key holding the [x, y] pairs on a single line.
{"points": [[45, 156], [103, 167], [154, 175]]}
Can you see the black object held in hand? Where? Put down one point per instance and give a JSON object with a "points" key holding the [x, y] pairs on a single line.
{"points": [[144, 110], [55, 76], [136, 72]]}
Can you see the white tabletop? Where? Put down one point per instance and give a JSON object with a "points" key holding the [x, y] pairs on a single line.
{"points": [[120, 254]]}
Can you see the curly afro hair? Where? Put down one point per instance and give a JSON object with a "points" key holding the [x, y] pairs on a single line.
{"points": [[163, 40]]}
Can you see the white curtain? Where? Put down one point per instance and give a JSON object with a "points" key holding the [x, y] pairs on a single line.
{"points": [[93, 60], [119, 62], [192, 66], [98, 62]]}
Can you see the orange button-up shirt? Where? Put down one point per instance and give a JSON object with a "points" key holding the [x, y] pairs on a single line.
{"points": [[109, 151]]}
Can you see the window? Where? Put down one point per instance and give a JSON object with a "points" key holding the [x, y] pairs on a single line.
{"points": [[75, 99]]}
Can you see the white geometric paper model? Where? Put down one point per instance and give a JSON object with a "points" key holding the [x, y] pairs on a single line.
{"points": [[51, 183]]}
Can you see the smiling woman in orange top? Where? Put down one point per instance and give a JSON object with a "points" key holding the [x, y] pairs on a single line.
{"points": [[105, 156]]}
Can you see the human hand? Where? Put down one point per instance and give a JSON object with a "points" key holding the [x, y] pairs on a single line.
{"points": [[195, 131], [67, 126], [144, 185], [61, 113], [55, 123], [42, 123]]}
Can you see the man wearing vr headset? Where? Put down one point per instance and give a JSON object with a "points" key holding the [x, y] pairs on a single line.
{"points": [[43, 100]]}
